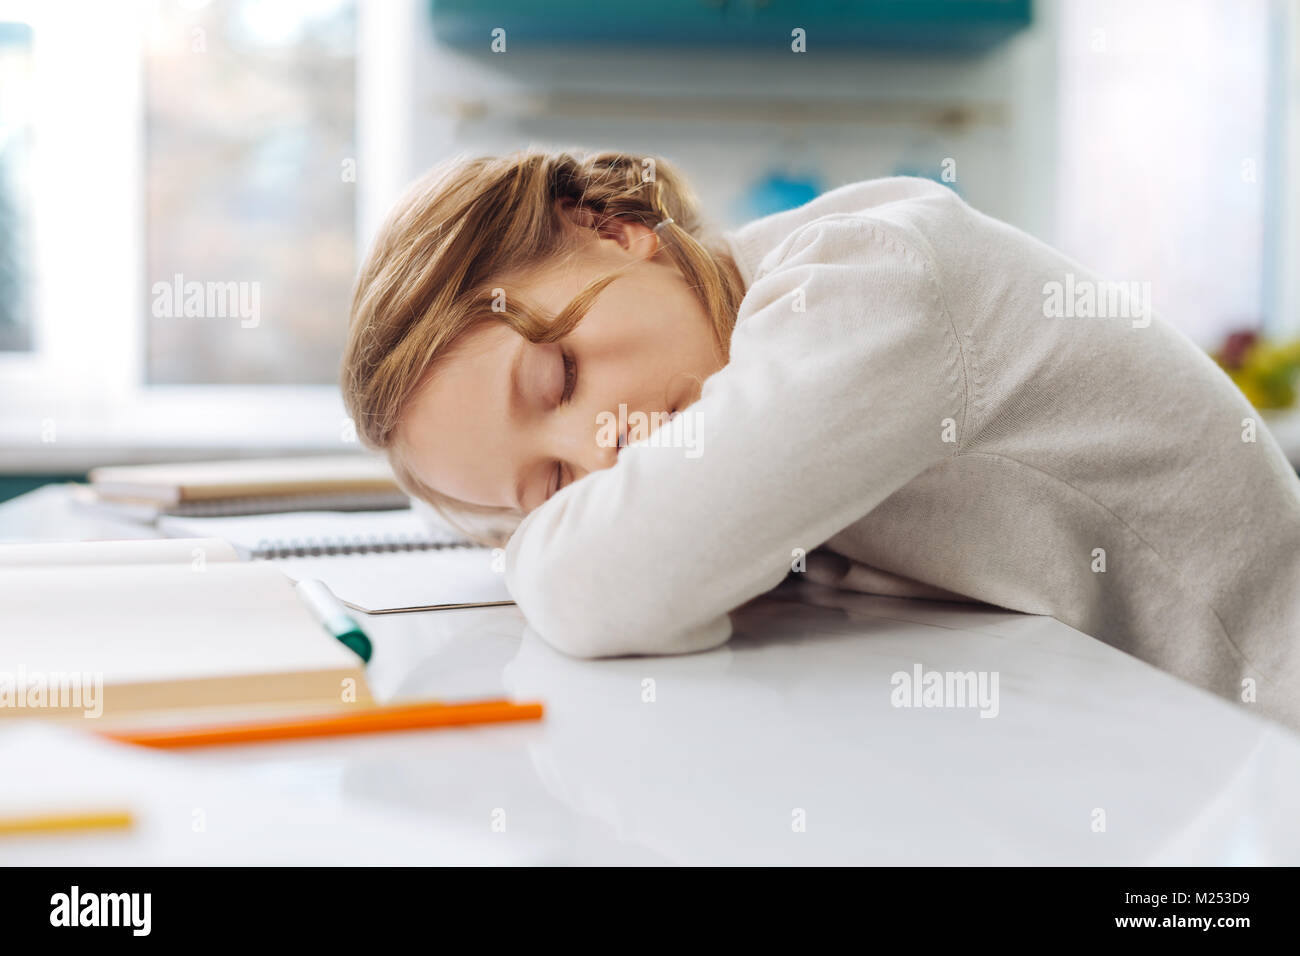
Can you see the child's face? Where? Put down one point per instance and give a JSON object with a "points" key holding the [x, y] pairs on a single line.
{"points": [[504, 422]]}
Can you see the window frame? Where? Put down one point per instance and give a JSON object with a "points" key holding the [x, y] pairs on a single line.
{"points": [[82, 385]]}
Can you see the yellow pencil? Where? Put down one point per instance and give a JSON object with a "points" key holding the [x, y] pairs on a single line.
{"points": [[69, 821]]}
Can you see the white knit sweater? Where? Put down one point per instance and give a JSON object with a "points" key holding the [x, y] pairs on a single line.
{"points": [[897, 394]]}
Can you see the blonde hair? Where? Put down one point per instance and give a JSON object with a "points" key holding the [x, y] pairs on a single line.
{"points": [[434, 269]]}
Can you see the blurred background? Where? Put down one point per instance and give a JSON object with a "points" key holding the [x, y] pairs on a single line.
{"points": [[252, 147]]}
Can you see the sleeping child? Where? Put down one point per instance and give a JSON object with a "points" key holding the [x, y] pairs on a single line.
{"points": [[883, 389]]}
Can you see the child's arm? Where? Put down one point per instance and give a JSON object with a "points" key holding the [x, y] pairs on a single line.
{"points": [[820, 415]]}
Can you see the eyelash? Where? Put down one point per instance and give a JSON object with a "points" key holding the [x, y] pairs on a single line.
{"points": [[570, 377], [570, 383]]}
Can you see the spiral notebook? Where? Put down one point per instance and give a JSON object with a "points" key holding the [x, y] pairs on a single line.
{"points": [[379, 562]]}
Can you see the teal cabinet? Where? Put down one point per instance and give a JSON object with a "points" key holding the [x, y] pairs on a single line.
{"points": [[901, 25]]}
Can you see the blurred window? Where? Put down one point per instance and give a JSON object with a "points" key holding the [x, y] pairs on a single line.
{"points": [[1164, 147], [250, 190], [15, 187]]}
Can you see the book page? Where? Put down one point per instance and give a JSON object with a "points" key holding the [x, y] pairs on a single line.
{"points": [[162, 622], [400, 581], [304, 529], [133, 551]]}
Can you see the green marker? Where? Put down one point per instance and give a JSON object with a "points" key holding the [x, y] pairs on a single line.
{"points": [[335, 617]]}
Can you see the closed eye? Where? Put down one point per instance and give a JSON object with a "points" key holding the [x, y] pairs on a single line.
{"points": [[570, 377]]}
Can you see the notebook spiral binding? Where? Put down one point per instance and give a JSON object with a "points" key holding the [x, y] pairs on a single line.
{"points": [[326, 546], [275, 504]]}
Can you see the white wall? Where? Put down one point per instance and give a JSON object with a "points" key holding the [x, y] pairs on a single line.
{"points": [[850, 115]]}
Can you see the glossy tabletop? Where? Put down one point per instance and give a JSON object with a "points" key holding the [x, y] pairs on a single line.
{"points": [[787, 745]]}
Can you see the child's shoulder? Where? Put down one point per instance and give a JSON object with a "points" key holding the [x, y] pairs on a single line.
{"points": [[907, 206]]}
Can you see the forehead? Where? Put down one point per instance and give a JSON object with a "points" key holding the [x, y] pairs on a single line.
{"points": [[550, 287], [453, 433], [553, 284]]}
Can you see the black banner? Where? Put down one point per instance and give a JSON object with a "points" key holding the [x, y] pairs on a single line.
{"points": [[339, 905]]}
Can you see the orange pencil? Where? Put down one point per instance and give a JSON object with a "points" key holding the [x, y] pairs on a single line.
{"points": [[380, 719]]}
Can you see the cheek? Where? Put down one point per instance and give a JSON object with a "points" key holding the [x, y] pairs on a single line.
{"points": [[651, 320], [680, 319], [693, 345], [454, 449], [633, 346]]}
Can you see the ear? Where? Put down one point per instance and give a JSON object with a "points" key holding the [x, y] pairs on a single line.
{"points": [[625, 233]]}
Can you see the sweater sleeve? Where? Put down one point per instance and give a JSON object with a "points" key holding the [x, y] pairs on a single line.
{"points": [[845, 381]]}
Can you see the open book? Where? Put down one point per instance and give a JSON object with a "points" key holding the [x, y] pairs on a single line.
{"points": [[115, 627]]}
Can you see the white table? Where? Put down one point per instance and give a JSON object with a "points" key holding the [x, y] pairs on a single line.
{"points": [[713, 758]]}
